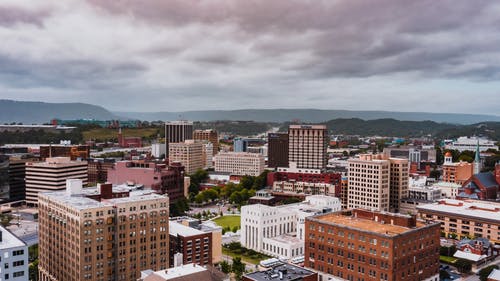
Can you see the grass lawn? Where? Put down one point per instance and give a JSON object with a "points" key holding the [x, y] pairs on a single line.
{"points": [[227, 220], [245, 258], [105, 133], [446, 259]]}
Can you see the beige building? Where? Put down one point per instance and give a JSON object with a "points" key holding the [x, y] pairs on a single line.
{"points": [[189, 153], [467, 218], [300, 187], [240, 163], [456, 172], [377, 183], [101, 233], [208, 135], [307, 146], [51, 175]]}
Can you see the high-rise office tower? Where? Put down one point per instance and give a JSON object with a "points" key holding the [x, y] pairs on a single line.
{"points": [[277, 150], [177, 131], [376, 182], [103, 233], [51, 175], [307, 146]]}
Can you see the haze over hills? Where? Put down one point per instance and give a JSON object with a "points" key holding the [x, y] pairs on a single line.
{"points": [[41, 112], [307, 115], [28, 112]]}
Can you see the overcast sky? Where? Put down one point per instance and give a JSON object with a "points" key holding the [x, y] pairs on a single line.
{"points": [[174, 55]]}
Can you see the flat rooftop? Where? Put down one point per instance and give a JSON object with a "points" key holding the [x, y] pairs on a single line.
{"points": [[82, 202], [286, 238], [179, 271], [469, 208], [9, 240], [366, 225], [289, 271], [175, 228]]}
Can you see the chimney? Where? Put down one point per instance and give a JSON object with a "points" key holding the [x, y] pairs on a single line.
{"points": [[106, 190]]}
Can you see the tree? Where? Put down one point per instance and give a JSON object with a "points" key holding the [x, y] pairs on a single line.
{"points": [[463, 265], [443, 274], [485, 272], [246, 182], [5, 219], [225, 267], [435, 174], [235, 228], [238, 268]]}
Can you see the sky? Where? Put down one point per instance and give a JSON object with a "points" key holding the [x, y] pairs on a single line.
{"points": [[176, 55]]}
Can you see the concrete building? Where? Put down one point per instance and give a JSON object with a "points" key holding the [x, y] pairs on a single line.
{"points": [[98, 170], [209, 135], [307, 146], [277, 150], [448, 189], [75, 152], [456, 172], [239, 163], [282, 272], [207, 156], [465, 218], [419, 193], [159, 177], [413, 154], [307, 188], [158, 150], [377, 183], [465, 143], [332, 180], [185, 272], [177, 131], [364, 245], [51, 175], [103, 233], [279, 231], [194, 245], [189, 153], [13, 257]]}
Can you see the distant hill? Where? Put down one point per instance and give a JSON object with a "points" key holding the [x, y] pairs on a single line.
{"points": [[28, 112], [307, 115]]}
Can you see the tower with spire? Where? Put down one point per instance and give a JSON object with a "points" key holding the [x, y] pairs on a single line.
{"points": [[477, 160]]}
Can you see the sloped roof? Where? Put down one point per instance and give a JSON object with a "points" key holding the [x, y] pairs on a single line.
{"points": [[486, 179], [494, 275]]}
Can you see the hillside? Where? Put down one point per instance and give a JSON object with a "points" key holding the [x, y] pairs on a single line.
{"points": [[307, 115], [40, 112]]}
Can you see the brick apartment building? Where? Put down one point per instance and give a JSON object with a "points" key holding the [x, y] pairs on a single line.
{"points": [[102, 233], [98, 170], [208, 135], [365, 245], [277, 154], [334, 179], [72, 151], [194, 245]]}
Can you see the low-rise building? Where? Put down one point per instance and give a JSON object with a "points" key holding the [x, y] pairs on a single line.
{"points": [[13, 257], [194, 245], [186, 272], [282, 272], [239, 163], [467, 218], [279, 231], [363, 245]]}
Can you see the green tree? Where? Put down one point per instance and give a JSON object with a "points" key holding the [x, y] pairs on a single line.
{"points": [[485, 272], [443, 274], [464, 266], [225, 267], [200, 198], [235, 228], [5, 219], [33, 271], [246, 182], [238, 268]]}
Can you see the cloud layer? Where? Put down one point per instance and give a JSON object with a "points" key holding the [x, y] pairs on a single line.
{"points": [[220, 54]]}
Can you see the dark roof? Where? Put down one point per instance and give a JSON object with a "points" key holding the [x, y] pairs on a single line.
{"points": [[486, 179], [290, 272]]}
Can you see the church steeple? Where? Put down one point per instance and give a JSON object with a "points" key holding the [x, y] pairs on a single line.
{"points": [[477, 160]]}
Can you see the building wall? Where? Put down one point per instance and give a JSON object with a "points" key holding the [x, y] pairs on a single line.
{"points": [[208, 135], [189, 154], [239, 163], [51, 176], [13, 260], [457, 173], [194, 249], [177, 131], [102, 243], [307, 146], [339, 251], [277, 150]]}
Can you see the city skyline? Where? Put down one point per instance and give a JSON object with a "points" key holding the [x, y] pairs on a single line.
{"points": [[182, 55]]}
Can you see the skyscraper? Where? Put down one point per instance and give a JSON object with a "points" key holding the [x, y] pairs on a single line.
{"points": [[177, 131], [277, 150], [101, 233], [307, 146]]}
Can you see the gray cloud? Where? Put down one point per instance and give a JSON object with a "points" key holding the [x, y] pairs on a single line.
{"points": [[251, 53]]}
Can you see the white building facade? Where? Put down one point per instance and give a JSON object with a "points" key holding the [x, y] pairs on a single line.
{"points": [[239, 163], [279, 231], [13, 257]]}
